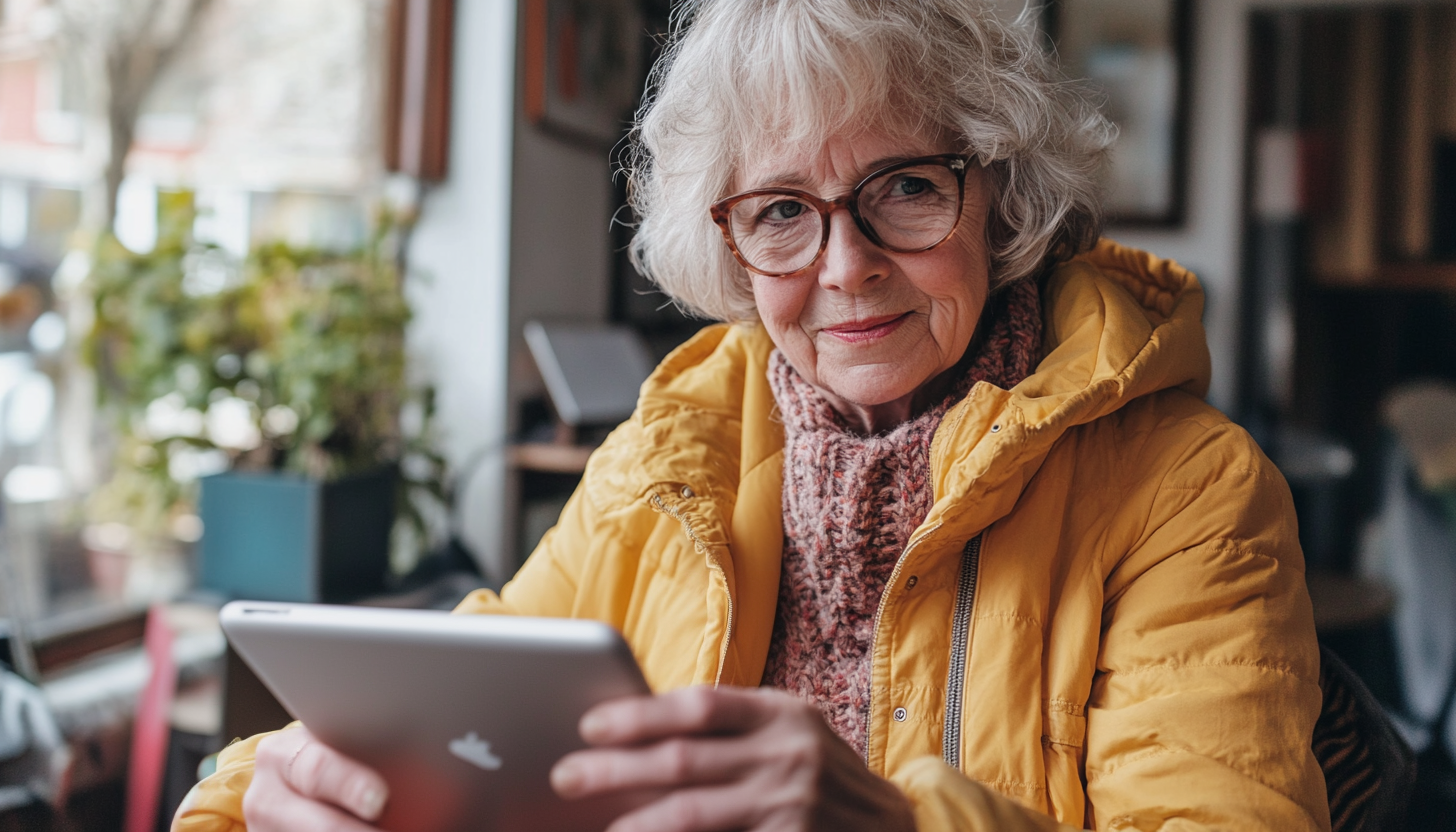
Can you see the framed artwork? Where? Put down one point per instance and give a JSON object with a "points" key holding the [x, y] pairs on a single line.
{"points": [[583, 67], [1136, 54], [417, 93]]}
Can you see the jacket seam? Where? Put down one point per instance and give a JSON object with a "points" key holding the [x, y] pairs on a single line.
{"points": [[1066, 706], [1242, 468], [1095, 775], [1069, 708], [950, 424], [911, 687], [1228, 546], [1009, 616], [1249, 472], [1164, 486], [663, 410], [1007, 784], [757, 465], [1222, 545], [1282, 669], [565, 576], [1163, 481], [1164, 750]]}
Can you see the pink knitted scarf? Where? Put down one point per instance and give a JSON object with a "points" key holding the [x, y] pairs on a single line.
{"points": [[851, 503]]}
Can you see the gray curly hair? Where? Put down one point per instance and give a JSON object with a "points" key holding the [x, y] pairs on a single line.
{"points": [[739, 75]]}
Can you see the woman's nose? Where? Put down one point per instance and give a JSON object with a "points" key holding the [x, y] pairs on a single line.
{"points": [[851, 262]]}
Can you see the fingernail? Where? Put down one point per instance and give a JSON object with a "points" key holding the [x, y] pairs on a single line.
{"points": [[566, 779], [593, 725], [371, 802]]}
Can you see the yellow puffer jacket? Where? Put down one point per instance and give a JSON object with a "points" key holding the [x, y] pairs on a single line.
{"points": [[1102, 623]]}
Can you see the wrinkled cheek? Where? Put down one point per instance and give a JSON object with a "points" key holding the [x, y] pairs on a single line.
{"points": [[780, 308], [800, 349], [953, 324]]}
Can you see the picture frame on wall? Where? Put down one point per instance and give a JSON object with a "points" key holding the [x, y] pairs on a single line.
{"points": [[1135, 53], [583, 67], [421, 37]]}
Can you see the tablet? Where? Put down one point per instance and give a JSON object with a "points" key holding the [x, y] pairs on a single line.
{"points": [[463, 715]]}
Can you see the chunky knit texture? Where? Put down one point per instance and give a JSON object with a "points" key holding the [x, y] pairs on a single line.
{"points": [[851, 503]]}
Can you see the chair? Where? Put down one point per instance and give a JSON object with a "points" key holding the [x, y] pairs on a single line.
{"points": [[1369, 770]]}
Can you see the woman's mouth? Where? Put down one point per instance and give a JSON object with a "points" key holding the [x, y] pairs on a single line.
{"points": [[869, 329]]}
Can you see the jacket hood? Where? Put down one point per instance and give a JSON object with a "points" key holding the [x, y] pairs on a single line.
{"points": [[1119, 325]]}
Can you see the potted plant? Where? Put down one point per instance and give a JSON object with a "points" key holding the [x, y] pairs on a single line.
{"points": [[262, 406]]}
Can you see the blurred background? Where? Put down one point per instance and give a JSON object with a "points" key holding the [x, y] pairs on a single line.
{"points": [[327, 301]]}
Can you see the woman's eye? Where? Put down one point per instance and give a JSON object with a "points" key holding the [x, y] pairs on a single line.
{"points": [[786, 210], [909, 186]]}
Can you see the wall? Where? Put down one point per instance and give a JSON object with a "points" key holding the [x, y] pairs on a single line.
{"points": [[519, 231], [561, 247], [460, 256], [561, 264]]}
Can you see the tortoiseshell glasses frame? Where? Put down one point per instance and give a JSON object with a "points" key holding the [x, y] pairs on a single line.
{"points": [[722, 211]]}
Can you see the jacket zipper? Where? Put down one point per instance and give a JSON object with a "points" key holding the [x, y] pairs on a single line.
{"points": [[955, 686], [703, 549], [875, 635]]}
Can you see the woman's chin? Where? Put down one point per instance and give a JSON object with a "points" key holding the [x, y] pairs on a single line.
{"points": [[870, 386]]}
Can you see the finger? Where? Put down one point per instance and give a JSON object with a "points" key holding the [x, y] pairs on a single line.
{"points": [[706, 810], [282, 810], [318, 772], [697, 710], [671, 763]]}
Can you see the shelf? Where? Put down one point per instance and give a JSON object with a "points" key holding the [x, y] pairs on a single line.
{"points": [[549, 457], [1400, 277], [61, 640]]}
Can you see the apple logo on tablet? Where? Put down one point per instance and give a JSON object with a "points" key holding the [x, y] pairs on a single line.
{"points": [[474, 750]]}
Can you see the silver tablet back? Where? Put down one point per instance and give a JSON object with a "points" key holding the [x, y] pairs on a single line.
{"points": [[464, 715]]}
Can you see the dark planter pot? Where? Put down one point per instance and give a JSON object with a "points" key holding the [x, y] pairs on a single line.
{"points": [[280, 537]]}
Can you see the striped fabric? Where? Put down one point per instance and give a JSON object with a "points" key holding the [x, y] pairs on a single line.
{"points": [[1351, 778]]}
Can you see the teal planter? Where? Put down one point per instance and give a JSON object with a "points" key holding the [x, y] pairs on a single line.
{"points": [[279, 537]]}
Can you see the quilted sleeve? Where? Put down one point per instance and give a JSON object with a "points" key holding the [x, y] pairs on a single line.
{"points": [[1207, 686]]}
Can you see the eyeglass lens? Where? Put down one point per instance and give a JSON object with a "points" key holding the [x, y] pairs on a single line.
{"points": [[908, 209]]}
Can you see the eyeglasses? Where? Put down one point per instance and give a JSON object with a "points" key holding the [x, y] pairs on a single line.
{"points": [[907, 207]]}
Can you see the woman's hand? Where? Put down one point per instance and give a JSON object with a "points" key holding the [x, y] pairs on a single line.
{"points": [[300, 783], [728, 758]]}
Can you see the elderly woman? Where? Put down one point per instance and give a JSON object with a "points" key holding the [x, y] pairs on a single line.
{"points": [[936, 532]]}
